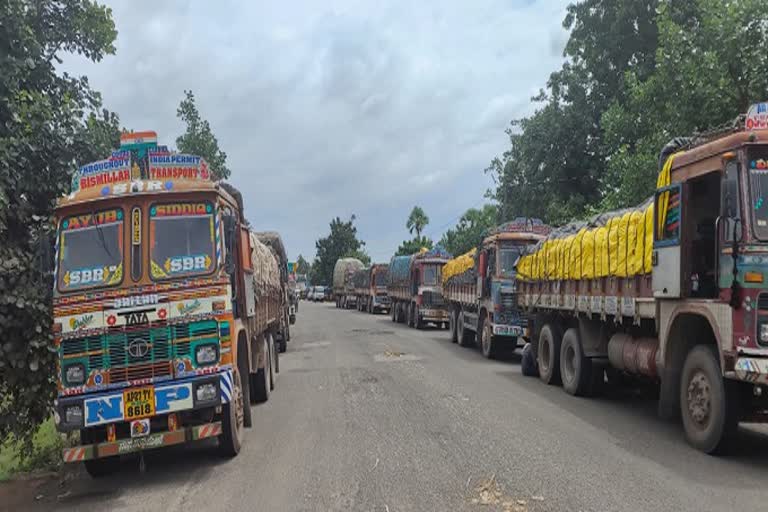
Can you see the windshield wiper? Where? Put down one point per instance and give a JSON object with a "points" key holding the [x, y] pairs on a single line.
{"points": [[101, 235]]}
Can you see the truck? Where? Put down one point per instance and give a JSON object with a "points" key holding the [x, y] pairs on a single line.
{"points": [[166, 307], [273, 240], [674, 291], [415, 288], [343, 287], [371, 288], [481, 292]]}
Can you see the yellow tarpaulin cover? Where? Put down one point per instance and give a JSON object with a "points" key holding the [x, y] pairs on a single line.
{"points": [[621, 247], [459, 265]]}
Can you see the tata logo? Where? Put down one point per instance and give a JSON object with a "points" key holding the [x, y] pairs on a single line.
{"points": [[136, 317], [138, 348]]}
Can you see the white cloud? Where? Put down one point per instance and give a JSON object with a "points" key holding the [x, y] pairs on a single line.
{"points": [[334, 108]]}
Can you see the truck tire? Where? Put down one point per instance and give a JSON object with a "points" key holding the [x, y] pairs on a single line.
{"points": [[528, 362], [453, 320], [233, 424], [261, 380], [408, 315], [550, 340], [708, 403], [393, 312], [466, 336], [575, 369], [488, 346]]}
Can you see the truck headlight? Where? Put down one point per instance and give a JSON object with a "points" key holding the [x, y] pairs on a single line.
{"points": [[764, 332], [74, 374], [73, 415], [206, 354], [206, 392]]}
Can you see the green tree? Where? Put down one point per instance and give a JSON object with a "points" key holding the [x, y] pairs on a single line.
{"points": [[417, 221], [556, 164], [198, 139], [705, 75], [413, 246], [340, 243], [302, 265], [470, 229], [49, 122]]}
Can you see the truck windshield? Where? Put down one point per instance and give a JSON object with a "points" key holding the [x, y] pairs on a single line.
{"points": [[182, 240], [90, 252], [507, 259], [431, 275], [758, 181]]}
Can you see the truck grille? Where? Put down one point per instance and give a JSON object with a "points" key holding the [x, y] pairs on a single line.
{"points": [[138, 353], [510, 313], [432, 299]]}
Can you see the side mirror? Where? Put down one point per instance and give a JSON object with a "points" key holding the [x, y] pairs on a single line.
{"points": [[45, 252], [731, 202]]}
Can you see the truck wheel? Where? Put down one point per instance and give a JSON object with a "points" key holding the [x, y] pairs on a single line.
{"points": [[575, 369], [454, 328], [550, 340], [408, 315], [528, 362], [708, 403], [466, 336], [489, 349], [233, 420], [393, 313], [261, 381]]}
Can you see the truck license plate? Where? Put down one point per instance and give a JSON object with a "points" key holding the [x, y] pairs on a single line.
{"points": [[139, 402]]}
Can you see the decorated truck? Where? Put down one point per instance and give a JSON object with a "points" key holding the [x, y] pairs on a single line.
{"points": [[481, 291], [415, 288], [343, 285], [166, 307], [674, 291], [371, 288]]}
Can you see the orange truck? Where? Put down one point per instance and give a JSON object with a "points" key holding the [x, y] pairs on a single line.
{"points": [[166, 307]]}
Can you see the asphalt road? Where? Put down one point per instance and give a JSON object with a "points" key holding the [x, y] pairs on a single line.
{"points": [[373, 416]]}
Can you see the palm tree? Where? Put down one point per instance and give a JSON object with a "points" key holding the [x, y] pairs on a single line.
{"points": [[417, 220]]}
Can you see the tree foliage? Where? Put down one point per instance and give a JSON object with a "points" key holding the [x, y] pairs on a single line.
{"points": [[710, 66], [470, 229], [198, 139], [342, 242], [302, 265], [555, 165], [637, 73], [417, 221], [413, 246], [49, 122]]}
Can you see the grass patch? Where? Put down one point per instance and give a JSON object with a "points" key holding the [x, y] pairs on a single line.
{"points": [[45, 455]]}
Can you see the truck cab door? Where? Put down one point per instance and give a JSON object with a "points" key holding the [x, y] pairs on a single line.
{"points": [[667, 234]]}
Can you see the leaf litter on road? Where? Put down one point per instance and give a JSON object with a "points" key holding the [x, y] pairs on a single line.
{"points": [[490, 494]]}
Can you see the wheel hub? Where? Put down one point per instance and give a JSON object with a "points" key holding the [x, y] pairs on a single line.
{"points": [[699, 398], [569, 363]]}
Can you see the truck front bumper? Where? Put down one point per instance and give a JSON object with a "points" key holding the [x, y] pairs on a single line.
{"points": [[750, 369], [514, 331], [158, 440], [433, 315], [96, 409]]}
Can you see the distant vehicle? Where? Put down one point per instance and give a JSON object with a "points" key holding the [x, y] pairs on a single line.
{"points": [[415, 288], [343, 287], [317, 294], [328, 293], [371, 288]]}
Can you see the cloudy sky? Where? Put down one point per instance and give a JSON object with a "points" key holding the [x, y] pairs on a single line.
{"points": [[338, 107]]}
